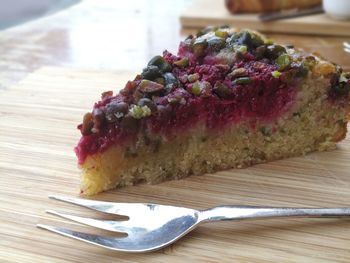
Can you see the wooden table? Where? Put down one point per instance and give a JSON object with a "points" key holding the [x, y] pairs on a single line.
{"points": [[37, 134]]}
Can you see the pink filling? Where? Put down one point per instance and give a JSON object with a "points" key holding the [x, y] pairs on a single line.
{"points": [[264, 100]]}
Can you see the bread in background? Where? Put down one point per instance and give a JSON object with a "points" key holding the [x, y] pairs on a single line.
{"points": [[260, 6]]}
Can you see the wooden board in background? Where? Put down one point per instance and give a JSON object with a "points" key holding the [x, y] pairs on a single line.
{"points": [[208, 12], [37, 135]]}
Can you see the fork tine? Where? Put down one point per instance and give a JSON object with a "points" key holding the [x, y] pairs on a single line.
{"points": [[105, 207], [346, 44], [115, 226], [113, 243]]}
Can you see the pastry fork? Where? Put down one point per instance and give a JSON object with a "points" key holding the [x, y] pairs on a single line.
{"points": [[152, 226]]}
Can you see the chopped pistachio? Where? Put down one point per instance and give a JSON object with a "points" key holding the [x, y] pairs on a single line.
{"points": [[276, 74], [150, 72], [116, 110], [87, 124], [147, 102], [139, 112], [242, 49], [221, 33], [309, 62], [177, 100], [244, 38], [183, 62], [274, 51], [268, 41], [238, 72], [202, 88], [147, 86], [283, 61], [106, 94], [193, 77], [156, 61], [221, 90], [196, 88], [160, 81], [199, 46], [242, 81], [160, 62], [260, 51], [216, 43]]}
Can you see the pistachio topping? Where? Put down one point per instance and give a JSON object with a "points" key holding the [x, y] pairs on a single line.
{"points": [[193, 77], [242, 49], [276, 74], [199, 46], [196, 88], [242, 81], [147, 86], [221, 33], [222, 90], [139, 112], [283, 62], [116, 110], [160, 62], [183, 62], [238, 72]]}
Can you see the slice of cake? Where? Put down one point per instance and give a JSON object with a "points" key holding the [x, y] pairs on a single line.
{"points": [[229, 99]]}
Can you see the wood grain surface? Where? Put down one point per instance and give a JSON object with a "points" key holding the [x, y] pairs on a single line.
{"points": [[38, 119], [207, 12]]}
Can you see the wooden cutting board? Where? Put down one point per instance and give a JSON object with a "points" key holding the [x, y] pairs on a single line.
{"points": [[38, 119], [208, 12]]}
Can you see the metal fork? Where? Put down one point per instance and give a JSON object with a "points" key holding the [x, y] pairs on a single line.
{"points": [[152, 226], [346, 47]]}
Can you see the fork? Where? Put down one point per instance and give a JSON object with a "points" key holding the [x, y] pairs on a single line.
{"points": [[346, 47], [153, 226]]}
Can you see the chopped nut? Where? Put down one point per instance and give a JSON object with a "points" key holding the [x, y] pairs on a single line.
{"points": [[196, 88], [106, 94], [268, 41], [324, 68], [182, 62], [221, 33], [199, 46], [276, 74], [139, 112], [147, 102], [222, 90], [193, 77], [242, 49], [242, 81], [283, 62], [160, 62], [238, 72], [87, 124], [98, 119], [151, 72], [216, 43], [201, 88], [116, 110], [147, 86]]}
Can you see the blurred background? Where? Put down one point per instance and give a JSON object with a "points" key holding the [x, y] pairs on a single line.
{"points": [[124, 35]]}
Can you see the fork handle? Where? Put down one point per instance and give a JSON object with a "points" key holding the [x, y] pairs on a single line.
{"points": [[250, 212]]}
